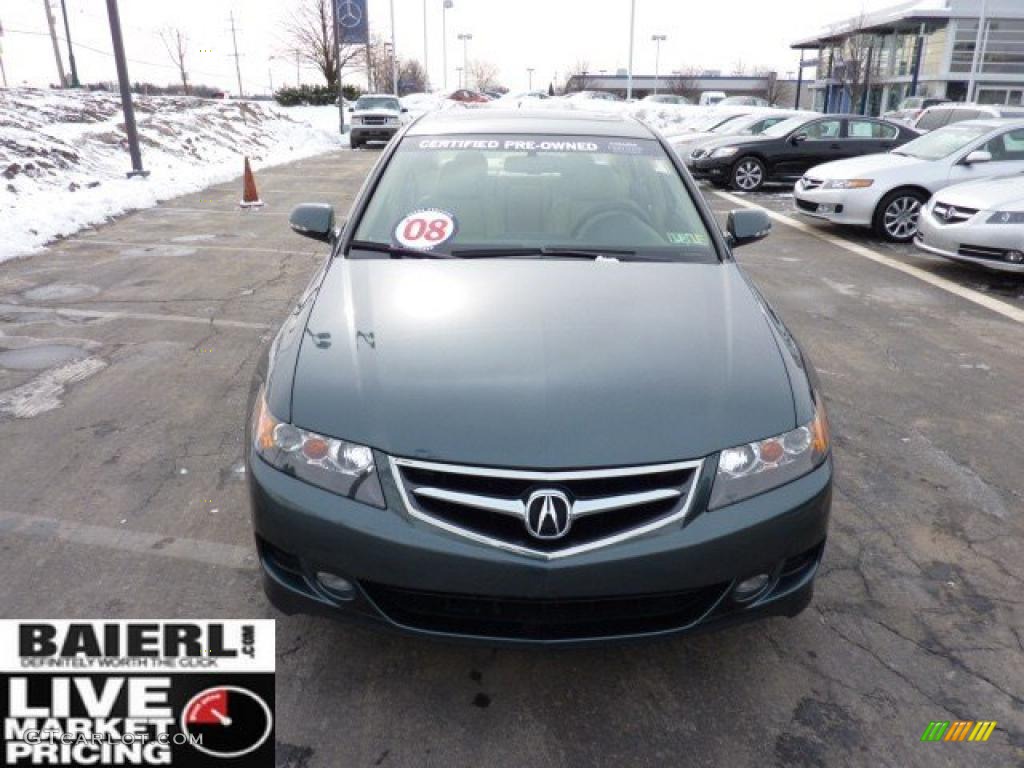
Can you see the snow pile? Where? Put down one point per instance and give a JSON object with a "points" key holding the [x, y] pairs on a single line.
{"points": [[63, 154]]}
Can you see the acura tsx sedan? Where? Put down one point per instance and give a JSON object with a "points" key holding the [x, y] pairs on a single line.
{"points": [[530, 397]]}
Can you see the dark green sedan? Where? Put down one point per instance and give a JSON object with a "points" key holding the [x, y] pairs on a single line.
{"points": [[531, 398]]}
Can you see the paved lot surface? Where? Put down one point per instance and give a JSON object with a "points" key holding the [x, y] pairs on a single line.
{"points": [[125, 358]]}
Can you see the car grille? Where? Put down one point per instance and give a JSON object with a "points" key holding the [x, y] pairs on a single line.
{"points": [[489, 505], [808, 183], [948, 214], [540, 619], [374, 120]]}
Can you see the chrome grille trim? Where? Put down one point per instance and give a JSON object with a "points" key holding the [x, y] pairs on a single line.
{"points": [[516, 507], [960, 215], [810, 183]]}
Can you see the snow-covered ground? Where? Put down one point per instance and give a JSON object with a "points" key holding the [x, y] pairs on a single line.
{"points": [[63, 154]]}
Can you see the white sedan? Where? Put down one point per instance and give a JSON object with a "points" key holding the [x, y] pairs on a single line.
{"points": [[886, 191], [980, 223]]}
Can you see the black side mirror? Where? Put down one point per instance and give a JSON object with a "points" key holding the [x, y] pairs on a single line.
{"points": [[351, 109], [747, 225], [798, 138], [405, 109], [315, 220]]}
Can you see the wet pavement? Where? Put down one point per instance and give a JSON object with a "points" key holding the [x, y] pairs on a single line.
{"points": [[125, 359]]}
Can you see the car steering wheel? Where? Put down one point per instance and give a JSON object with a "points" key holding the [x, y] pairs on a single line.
{"points": [[604, 211]]}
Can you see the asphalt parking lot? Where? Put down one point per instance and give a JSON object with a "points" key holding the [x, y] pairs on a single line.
{"points": [[125, 359]]}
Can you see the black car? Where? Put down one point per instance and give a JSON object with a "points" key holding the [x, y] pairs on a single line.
{"points": [[532, 398], [787, 149]]}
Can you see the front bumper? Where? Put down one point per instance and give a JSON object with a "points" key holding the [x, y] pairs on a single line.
{"points": [[972, 241], [710, 168], [839, 206], [413, 577], [374, 132]]}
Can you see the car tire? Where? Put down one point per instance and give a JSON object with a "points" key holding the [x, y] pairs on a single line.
{"points": [[355, 143], [748, 174], [896, 216]]}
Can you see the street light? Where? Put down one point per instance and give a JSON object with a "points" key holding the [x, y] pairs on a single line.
{"points": [[465, 37], [529, 72], [658, 40], [394, 52], [629, 70], [459, 70], [444, 40]]}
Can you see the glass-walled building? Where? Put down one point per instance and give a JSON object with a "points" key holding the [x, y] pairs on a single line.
{"points": [[933, 48]]}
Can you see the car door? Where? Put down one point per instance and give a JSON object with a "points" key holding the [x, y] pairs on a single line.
{"points": [[868, 137], [1007, 150], [821, 142]]}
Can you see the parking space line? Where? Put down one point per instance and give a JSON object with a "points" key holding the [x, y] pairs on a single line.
{"points": [[108, 315], [135, 542], [982, 300], [188, 244]]}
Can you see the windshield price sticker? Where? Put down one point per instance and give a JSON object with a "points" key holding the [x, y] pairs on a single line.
{"points": [[192, 693], [425, 229], [534, 144]]}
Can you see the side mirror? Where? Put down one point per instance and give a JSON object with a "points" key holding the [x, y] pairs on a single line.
{"points": [[747, 225], [978, 156], [405, 109], [315, 220], [351, 109], [798, 138]]}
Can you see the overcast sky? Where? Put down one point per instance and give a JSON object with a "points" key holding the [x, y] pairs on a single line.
{"points": [[549, 35]]}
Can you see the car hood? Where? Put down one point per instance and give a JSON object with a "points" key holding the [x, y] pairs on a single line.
{"points": [[547, 364], [868, 166], [1006, 193], [377, 112]]}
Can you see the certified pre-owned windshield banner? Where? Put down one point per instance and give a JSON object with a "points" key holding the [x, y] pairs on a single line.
{"points": [[194, 693]]}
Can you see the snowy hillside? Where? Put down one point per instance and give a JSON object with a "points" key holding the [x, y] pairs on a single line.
{"points": [[63, 154]]}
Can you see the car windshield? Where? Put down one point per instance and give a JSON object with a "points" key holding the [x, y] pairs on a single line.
{"points": [[942, 142], [377, 102], [492, 193], [785, 127]]}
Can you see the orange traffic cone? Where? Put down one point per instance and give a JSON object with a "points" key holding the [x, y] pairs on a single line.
{"points": [[250, 197]]}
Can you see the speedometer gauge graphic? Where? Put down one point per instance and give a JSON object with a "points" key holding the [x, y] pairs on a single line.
{"points": [[227, 721]]}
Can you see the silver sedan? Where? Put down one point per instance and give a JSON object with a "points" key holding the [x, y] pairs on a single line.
{"points": [[979, 223]]}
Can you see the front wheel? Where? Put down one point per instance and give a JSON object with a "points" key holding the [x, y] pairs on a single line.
{"points": [[896, 216], [748, 174]]}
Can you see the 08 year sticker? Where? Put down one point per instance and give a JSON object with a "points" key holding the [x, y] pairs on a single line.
{"points": [[425, 229]]}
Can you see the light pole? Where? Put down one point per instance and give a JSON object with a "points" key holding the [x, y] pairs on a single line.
{"points": [[658, 40], [529, 72], [465, 37], [394, 52], [629, 70], [459, 70], [71, 53], [444, 41], [426, 65]]}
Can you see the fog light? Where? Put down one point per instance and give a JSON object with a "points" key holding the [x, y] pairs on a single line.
{"points": [[751, 587], [1015, 257], [337, 586]]}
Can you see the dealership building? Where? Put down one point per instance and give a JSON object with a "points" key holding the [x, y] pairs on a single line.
{"points": [[962, 50]]}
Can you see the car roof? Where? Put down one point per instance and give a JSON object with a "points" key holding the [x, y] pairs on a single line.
{"points": [[381, 95], [992, 123], [561, 122]]}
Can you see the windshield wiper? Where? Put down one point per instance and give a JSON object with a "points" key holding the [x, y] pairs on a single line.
{"points": [[567, 252], [395, 251]]}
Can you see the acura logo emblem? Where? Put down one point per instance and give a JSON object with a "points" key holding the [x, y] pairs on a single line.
{"points": [[548, 514], [950, 213]]}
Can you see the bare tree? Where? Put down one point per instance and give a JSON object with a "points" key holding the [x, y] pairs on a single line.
{"points": [[774, 90], [412, 78], [484, 75], [684, 82], [579, 76], [308, 32], [381, 64], [176, 43], [851, 59], [739, 68]]}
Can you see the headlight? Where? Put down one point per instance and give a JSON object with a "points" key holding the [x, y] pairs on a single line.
{"points": [[393, 121], [754, 468], [848, 183], [1006, 217], [724, 151], [335, 465], [357, 120]]}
